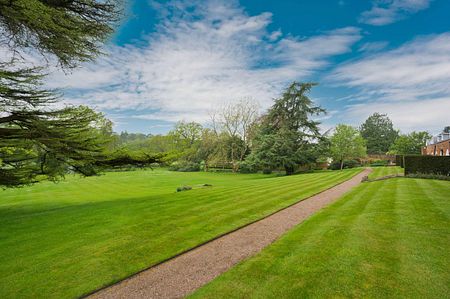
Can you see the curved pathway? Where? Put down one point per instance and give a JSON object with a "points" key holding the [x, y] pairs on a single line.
{"points": [[187, 272]]}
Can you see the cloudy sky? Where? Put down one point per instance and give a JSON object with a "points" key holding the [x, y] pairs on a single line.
{"points": [[178, 60]]}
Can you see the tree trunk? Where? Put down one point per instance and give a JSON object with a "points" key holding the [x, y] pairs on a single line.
{"points": [[342, 164]]}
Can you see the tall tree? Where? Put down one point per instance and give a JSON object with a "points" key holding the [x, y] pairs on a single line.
{"points": [[347, 143], [379, 133], [187, 133], [410, 144], [235, 123], [288, 135], [36, 137]]}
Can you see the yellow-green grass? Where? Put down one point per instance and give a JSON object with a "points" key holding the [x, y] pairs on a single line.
{"points": [[64, 240], [378, 172], [385, 239]]}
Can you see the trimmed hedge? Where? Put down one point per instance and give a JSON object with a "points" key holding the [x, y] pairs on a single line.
{"points": [[399, 160], [336, 165], [439, 165]]}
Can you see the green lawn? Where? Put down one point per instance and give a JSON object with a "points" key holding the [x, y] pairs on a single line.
{"points": [[66, 239], [381, 171], [385, 239]]}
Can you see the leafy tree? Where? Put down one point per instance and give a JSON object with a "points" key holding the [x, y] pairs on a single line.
{"points": [[379, 133], [209, 147], [347, 143], [410, 144], [187, 133], [288, 136], [36, 138], [236, 124]]}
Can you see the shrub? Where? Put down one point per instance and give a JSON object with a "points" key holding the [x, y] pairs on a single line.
{"points": [[379, 163], [184, 188], [267, 171], [336, 165], [399, 160], [429, 176], [247, 167], [184, 166], [439, 165]]}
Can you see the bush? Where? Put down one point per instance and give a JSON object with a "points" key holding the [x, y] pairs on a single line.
{"points": [[267, 171], [428, 176], [247, 167], [379, 163], [184, 166], [439, 165], [184, 188], [336, 165], [399, 160]]}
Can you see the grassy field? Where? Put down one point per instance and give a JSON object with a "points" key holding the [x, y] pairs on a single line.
{"points": [[66, 239], [378, 172], [385, 239]]}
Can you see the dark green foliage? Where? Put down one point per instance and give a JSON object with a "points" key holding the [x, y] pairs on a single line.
{"points": [[287, 136], [428, 176], [379, 163], [267, 171], [247, 167], [347, 164], [184, 188], [70, 30], [398, 160], [121, 158], [38, 142], [410, 144], [185, 166], [439, 165], [379, 133]]}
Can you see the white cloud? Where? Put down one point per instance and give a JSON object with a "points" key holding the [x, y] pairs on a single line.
{"points": [[385, 12], [196, 61], [373, 46], [411, 83], [431, 115]]}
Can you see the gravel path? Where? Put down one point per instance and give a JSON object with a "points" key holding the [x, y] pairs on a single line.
{"points": [[185, 273]]}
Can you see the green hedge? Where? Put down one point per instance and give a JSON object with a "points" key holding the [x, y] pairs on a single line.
{"points": [[399, 160], [439, 165]]}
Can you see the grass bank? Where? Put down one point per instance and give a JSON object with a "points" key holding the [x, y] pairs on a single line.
{"points": [[66, 239]]}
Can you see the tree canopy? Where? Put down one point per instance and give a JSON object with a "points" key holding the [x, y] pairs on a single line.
{"points": [[288, 134], [347, 143], [70, 30], [379, 133], [38, 138], [410, 144]]}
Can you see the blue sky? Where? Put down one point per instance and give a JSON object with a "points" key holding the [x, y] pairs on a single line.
{"points": [[180, 60]]}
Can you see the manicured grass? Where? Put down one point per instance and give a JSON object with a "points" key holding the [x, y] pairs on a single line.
{"points": [[381, 171], [64, 240], [385, 239]]}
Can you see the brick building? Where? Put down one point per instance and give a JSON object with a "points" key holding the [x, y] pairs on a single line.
{"points": [[439, 145]]}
